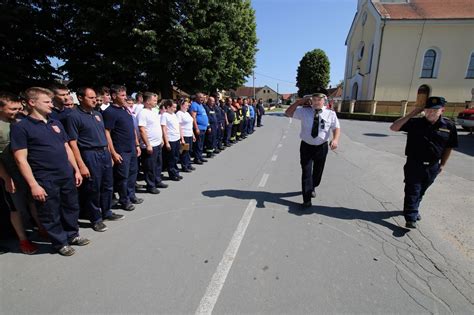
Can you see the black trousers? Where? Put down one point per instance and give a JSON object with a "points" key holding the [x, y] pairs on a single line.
{"points": [[312, 159]]}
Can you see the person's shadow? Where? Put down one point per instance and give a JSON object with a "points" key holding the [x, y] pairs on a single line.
{"points": [[377, 217]]}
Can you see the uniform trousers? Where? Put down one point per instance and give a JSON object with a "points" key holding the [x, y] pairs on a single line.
{"points": [[419, 176], [199, 147], [185, 156], [125, 176], [172, 156], [228, 133], [95, 193], [312, 159], [60, 212], [152, 166]]}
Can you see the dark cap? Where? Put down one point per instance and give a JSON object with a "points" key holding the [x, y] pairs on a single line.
{"points": [[320, 92], [435, 102]]}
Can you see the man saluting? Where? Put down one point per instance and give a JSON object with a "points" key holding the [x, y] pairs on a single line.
{"points": [[430, 140], [316, 123]]}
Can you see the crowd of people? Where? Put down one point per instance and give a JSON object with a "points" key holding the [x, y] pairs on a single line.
{"points": [[60, 160]]}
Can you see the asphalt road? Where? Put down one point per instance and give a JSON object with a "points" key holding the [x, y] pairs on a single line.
{"points": [[231, 239]]}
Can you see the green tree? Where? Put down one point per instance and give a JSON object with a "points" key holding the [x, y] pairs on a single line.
{"points": [[313, 72], [27, 39]]}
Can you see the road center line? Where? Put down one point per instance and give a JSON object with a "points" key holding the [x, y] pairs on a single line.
{"points": [[274, 158], [218, 279], [263, 181]]}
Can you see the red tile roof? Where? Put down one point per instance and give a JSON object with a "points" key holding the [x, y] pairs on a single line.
{"points": [[335, 92], [427, 10]]}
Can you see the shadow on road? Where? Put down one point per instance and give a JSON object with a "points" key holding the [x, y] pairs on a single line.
{"points": [[466, 144], [375, 134], [377, 217]]}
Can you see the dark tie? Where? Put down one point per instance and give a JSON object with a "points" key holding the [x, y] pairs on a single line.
{"points": [[315, 129]]}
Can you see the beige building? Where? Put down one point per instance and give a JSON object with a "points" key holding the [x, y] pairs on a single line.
{"points": [[409, 50], [266, 93]]}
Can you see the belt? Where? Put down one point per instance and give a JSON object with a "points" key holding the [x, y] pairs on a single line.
{"points": [[314, 145], [94, 149], [424, 162]]}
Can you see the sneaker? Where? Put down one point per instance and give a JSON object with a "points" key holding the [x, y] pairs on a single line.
{"points": [[99, 227], [411, 224], [66, 250], [161, 185], [79, 241], [137, 201], [128, 207], [154, 191], [114, 217], [27, 247]]}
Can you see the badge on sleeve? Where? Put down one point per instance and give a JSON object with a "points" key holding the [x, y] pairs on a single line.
{"points": [[56, 129], [97, 117]]}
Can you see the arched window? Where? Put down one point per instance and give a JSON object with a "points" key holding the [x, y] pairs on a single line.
{"points": [[470, 68], [355, 91], [429, 62]]}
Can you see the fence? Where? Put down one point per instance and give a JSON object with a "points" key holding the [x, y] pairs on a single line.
{"points": [[392, 108]]}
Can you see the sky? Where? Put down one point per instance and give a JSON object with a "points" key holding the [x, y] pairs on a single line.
{"points": [[287, 29]]}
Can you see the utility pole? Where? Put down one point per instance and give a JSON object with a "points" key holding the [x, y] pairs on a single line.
{"points": [[278, 99], [253, 79]]}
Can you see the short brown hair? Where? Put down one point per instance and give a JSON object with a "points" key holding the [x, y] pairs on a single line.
{"points": [[6, 97], [148, 95], [33, 92]]}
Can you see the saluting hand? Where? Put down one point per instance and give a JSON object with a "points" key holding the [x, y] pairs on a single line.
{"points": [[38, 193]]}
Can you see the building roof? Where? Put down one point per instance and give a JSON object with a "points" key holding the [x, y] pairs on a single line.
{"points": [[246, 91], [335, 92], [287, 96], [426, 9]]}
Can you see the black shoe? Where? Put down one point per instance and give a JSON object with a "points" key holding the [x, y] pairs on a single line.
{"points": [[114, 217], [313, 194], [203, 160], [306, 204], [137, 201], [418, 217], [154, 191], [410, 224], [175, 179], [161, 185], [79, 241], [217, 151], [99, 227], [198, 162], [222, 148], [128, 206], [192, 168], [180, 177], [66, 250], [209, 155], [185, 170]]}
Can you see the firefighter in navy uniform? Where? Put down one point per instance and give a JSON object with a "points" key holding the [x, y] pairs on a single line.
{"points": [[430, 140], [211, 132]]}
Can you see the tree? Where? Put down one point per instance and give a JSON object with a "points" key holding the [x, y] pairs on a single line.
{"points": [[27, 39], [313, 72]]}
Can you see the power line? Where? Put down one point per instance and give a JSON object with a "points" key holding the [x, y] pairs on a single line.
{"points": [[267, 76]]}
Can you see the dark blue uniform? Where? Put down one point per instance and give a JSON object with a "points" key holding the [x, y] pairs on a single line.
{"points": [[49, 163], [122, 130], [230, 122], [61, 115], [211, 134], [426, 143], [96, 191], [220, 115]]}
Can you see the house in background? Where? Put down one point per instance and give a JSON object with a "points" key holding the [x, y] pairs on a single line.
{"points": [[410, 50], [266, 93]]}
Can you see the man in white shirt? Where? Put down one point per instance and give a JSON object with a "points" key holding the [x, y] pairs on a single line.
{"points": [[316, 123], [152, 141]]}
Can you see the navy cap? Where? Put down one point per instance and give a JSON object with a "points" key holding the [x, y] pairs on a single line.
{"points": [[320, 92], [435, 102]]}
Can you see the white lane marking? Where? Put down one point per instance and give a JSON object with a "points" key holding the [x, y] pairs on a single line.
{"points": [[274, 158], [218, 279], [280, 145], [263, 181]]}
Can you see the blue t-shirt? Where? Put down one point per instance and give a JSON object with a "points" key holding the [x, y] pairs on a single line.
{"points": [[120, 123], [87, 128], [201, 115], [252, 111], [47, 155]]}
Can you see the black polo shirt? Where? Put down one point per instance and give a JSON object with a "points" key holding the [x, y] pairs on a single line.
{"points": [[47, 155], [120, 123], [61, 115], [426, 141], [87, 128]]}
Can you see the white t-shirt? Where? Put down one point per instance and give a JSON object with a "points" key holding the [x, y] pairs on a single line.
{"points": [[186, 122], [152, 123], [104, 106], [327, 121], [172, 124]]}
